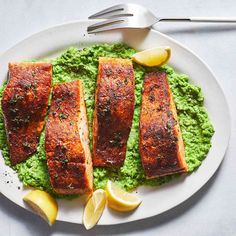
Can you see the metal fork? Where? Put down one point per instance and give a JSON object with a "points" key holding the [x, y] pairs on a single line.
{"points": [[136, 16]]}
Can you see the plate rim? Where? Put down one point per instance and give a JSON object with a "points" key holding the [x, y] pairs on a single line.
{"points": [[227, 108]]}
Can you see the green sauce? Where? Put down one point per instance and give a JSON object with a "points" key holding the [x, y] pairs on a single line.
{"points": [[82, 64]]}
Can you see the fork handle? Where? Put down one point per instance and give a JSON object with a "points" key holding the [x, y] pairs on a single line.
{"points": [[202, 19]]}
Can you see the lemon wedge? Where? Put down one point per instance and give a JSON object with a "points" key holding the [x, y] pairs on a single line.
{"points": [[120, 200], [43, 204], [153, 57], [94, 208]]}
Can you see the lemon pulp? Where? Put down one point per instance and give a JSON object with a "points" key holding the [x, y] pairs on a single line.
{"points": [[153, 57], [120, 200], [94, 208], [42, 204]]}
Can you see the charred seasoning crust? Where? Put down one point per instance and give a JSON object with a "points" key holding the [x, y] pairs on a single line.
{"points": [[161, 145], [66, 158], [114, 107], [24, 105]]}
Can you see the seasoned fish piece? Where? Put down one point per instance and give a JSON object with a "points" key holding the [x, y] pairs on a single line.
{"points": [[24, 106], [67, 143], [114, 108], [161, 143]]}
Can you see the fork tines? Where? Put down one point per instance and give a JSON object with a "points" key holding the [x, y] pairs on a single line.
{"points": [[105, 25], [115, 11], [116, 18]]}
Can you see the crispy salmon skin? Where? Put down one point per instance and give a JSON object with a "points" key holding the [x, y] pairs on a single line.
{"points": [[113, 113], [24, 106], [67, 143], [161, 144]]}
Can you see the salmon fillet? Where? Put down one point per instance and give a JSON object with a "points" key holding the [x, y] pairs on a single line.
{"points": [[113, 113], [161, 143], [67, 143], [24, 106]]}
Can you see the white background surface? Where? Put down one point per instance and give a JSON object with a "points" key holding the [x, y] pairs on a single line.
{"points": [[209, 212]]}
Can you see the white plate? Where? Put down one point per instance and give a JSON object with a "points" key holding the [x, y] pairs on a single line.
{"points": [[156, 200]]}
